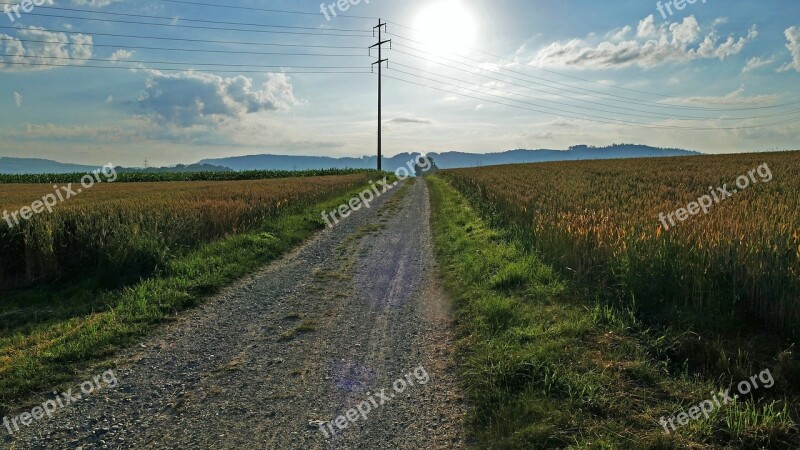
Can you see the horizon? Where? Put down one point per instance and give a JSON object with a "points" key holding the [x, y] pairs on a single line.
{"points": [[216, 161]]}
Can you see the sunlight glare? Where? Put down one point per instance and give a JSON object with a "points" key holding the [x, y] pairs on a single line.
{"points": [[446, 26]]}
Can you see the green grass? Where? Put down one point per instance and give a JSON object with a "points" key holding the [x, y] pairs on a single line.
{"points": [[547, 364], [50, 334]]}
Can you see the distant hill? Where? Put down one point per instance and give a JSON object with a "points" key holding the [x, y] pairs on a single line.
{"points": [[37, 166], [448, 160], [16, 166]]}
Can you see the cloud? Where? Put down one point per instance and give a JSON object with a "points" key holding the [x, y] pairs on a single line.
{"points": [[755, 63], [129, 130], [121, 55], [647, 27], [652, 46], [404, 120], [110, 99], [732, 99], [94, 3], [18, 99], [793, 36], [194, 98], [619, 35], [33, 56]]}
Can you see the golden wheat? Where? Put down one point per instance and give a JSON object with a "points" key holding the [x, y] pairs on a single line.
{"points": [[600, 220]]}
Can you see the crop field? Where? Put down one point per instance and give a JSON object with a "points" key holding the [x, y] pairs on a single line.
{"points": [[120, 231], [738, 265], [590, 319], [150, 177]]}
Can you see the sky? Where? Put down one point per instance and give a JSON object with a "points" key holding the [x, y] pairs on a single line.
{"points": [[178, 81]]}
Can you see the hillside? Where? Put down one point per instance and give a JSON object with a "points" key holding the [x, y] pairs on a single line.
{"points": [[447, 160]]}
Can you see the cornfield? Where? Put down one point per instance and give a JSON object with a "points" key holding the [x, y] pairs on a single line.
{"points": [[118, 232], [600, 221], [147, 177]]}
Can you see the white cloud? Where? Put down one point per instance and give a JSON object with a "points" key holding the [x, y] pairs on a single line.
{"points": [[410, 120], [731, 46], [732, 99], [31, 56], [136, 129], [190, 99], [756, 62], [646, 27], [121, 55], [793, 36], [95, 3], [18, 99], [678, 42], [110, 99], [618, 35]]}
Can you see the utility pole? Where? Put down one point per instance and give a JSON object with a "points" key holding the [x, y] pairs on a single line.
{"points": [[380, 27]]}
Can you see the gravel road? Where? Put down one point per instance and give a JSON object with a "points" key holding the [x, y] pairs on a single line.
{"points": [[330, 327]]}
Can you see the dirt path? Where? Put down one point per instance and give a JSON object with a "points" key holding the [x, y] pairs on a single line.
{"points": [[331, 327]]}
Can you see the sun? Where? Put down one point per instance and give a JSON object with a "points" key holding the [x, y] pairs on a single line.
{"points": [[446, 26]]}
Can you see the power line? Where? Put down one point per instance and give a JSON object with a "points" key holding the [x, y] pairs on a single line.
{"points": [[339, 69], [659, 115], [173, 69], [624, 108], [600, 120], [539, 68], [588, 92], [282, 11], [190, 50], [209, 41], [213, 22], [197, 27], [130, 61]]}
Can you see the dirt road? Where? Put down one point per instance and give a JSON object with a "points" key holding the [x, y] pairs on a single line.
{"points": [[329, 328]]}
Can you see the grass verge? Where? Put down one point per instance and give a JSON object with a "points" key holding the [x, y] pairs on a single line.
{"points": [[48, 338], [547, 365]]}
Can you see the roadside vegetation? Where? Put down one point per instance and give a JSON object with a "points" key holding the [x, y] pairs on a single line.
{"points": [[550, 360], [194, 238]]}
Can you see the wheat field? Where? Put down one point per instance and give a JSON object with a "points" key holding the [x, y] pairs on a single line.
{"points": [[600, 221], [132, 228]]}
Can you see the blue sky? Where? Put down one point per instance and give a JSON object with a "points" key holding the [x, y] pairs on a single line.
{"points": [[718, 77]]}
